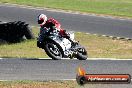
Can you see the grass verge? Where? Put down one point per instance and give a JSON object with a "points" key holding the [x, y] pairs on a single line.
{"points": [[97, 47], [110, 7], [33, 84]]}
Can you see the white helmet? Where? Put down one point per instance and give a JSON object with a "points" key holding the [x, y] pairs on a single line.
{"points": [[42, 19]]}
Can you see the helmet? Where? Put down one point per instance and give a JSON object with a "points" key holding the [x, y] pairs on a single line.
{"points": [[42, 19]]}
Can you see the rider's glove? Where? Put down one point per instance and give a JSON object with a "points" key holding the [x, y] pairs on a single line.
{"points": [[66, 36]]}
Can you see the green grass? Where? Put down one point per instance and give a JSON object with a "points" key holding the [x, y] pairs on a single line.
{"points": [[105, 47], [25, 49], [48, 84], [110, 7], [100, 47]]}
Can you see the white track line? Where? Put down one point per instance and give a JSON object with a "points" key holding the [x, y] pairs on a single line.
{"points": [[69, 79], [87, 59], [4, 80], [92, 59], [106, 59]]}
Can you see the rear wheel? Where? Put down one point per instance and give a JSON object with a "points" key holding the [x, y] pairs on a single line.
{"points": [[53, 50]]}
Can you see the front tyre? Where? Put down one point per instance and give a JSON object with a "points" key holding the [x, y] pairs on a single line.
{"points": [[53, 50], [81, 54]]}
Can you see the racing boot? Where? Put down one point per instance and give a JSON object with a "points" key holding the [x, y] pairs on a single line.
{"points": [[71, 56]]}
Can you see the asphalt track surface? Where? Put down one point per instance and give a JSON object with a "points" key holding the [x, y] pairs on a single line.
{"points": [[46, 69], [76, 22]]}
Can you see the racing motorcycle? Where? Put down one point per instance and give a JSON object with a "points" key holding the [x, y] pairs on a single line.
{"points": [[58, 47]]}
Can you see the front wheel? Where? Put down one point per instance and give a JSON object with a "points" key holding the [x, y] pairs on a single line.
{"points": [[53, 50], [81, 54]]}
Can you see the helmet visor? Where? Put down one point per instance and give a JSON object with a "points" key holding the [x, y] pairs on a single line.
{"points": [[40, 21]]}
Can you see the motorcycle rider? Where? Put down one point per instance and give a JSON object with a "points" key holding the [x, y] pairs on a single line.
{"points": [[53, 25]]}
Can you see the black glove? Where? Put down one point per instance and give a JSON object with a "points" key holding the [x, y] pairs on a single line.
{"points": [[66, 36]]}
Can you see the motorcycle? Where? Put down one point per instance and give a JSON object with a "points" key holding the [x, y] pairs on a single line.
{"points": [[58, 47]]}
